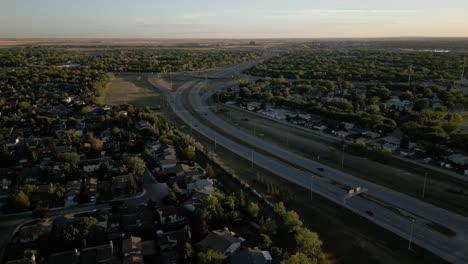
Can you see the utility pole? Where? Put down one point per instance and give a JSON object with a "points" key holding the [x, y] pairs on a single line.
{"points": [[424, 186], [252, 159], [311, 182], [342, 157], [411, 234], [215, 140], [191, 126]]}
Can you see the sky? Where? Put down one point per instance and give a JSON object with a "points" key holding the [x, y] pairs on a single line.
{"points": [[232, 19]]}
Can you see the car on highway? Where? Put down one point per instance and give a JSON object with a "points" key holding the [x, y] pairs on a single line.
{"points": [[320, 169]]}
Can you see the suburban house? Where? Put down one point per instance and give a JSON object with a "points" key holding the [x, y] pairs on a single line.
{"points": [[250, 256], [222, 241], [99, 255], [171, 216]]}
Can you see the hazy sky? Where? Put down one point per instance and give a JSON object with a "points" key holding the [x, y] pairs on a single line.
{"points": [[232, 19]]}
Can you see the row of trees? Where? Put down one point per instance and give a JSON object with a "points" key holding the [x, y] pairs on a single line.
{"points": [[357, 64], [125, 59]]}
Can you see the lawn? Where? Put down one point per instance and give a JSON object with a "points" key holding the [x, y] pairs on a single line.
{"points": [[131, 88]]}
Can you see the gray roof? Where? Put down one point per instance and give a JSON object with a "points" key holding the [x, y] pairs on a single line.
{"points": [[218, 241], [250, 256]]}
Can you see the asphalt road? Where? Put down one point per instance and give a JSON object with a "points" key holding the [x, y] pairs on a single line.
{"points": [[390, 209]]}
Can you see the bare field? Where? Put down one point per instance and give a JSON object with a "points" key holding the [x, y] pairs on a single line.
{"points": [[131, 89], [189, 43]]}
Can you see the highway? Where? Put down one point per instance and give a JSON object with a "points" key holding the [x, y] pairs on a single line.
{"points": [[391, 210]]}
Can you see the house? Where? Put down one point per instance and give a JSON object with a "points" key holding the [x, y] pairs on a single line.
{"points": [[199, 184], [193, 170], [347, 126], [31, 233], [222, 241], [6, 178], [142, 124], [40, 198], [397, 104], [458, 159], [371, 134], [153, 146], [203, 193], [119, 184], [68, 257], [31, 175], [391, 141], [171, 216], [172, 244], [64, 149], [90, 188], [72, 189], [132, 250], [99, 255], [341, 134], [250, 256], [133, 218], [171, 240], [166, 164]]}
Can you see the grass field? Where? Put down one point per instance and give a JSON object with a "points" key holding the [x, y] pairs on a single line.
{"points": [[133, 89], [441, 190]]}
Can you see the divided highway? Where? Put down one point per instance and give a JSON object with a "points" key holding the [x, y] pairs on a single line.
{"points": [[401, 214]]}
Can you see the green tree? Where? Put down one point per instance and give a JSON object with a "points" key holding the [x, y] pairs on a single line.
{"points": [[133, 186], [69, 157], [137, 166], [270, 226], [308, 243], [280, 209], [210, 257], [292, 221], [96, 144], [253, 209], [210, 171], [266, 241], [72, 137], [56, 192], [21, 201], [189, 152], [188, 251], [298, 258]]}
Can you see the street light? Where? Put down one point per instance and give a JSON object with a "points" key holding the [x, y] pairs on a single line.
{"points": [[342, 157], [424, 186], [411, 234]]}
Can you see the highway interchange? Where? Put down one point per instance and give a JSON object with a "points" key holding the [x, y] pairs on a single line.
{"points": [[405, 216]]}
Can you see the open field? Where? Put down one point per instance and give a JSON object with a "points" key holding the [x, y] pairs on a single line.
{"points": [[173, 43], [441, 190], [132, 89]]}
